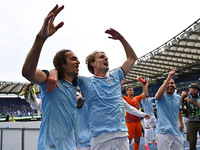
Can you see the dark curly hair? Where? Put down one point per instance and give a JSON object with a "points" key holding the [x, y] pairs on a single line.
{"points": [[58, 61]]}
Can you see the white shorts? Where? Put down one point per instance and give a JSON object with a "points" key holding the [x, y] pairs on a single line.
{"points": [[169, 142], [83, 148], [150, 122], [119, 143]]}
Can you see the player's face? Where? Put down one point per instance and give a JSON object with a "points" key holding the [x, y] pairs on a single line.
{"points": [[171, 87], [101, 62], [130, 92], [72, 65]]}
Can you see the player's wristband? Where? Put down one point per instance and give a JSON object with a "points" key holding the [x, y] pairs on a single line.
{"points": [[46, 72]]}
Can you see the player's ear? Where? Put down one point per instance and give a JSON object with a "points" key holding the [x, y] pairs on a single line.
{"points": [[92, 64]]}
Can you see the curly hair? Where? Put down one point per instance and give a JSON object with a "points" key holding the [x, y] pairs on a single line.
{"points": [[91, 58], [58, 61]]}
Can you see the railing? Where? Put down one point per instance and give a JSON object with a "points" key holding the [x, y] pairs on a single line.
{"points": [[19, 135]]}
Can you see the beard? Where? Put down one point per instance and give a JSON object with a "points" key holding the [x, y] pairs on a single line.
{"points": [[170, 90], [131, 94]]}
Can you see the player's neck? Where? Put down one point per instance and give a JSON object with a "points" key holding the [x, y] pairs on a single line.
{"points": [[130, 96], [69, 79], [100, 74], [170, 93]]}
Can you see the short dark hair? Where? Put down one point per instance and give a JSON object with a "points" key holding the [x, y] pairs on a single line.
{"points": [[128, 87], [194, 86]]}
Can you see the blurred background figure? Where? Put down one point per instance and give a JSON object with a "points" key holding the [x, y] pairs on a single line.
{"points": [[12, 118], [190, 106]]}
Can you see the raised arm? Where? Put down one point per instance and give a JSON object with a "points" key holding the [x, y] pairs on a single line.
{"points": [[163, 87], [29, 70], [130, 54], [145, 89], [30, 96]]}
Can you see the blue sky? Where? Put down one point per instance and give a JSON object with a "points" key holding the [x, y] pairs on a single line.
{"points": [[145, 24]]}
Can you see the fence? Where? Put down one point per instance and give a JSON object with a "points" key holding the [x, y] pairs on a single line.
{"points": [[19, 135]]}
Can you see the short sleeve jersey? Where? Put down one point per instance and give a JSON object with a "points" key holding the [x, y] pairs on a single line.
{"points": [[167, 114], [135, 103], [58, 117], [105, 103], [148, 106]]}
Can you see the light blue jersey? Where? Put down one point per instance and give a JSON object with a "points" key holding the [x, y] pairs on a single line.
{"points": [[82, 131], [105, 102], [148, 106], [167, 114], [58, 117]]}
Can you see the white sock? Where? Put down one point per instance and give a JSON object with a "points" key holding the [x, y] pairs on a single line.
{"points": [[146, 136], [154, 133]]}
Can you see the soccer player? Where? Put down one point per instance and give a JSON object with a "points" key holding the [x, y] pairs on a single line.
{"points": [[169, 123], [58, 107], [104, 97], [148, 106], [134, 122]]}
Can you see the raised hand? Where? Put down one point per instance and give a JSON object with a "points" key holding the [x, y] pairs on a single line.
{"points": [[148, 80], [48, 27], [29, 69], [184, 94], [171, 73], [114, 34]]}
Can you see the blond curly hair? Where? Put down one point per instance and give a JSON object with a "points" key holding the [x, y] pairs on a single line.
{"points": [[91, 58]]}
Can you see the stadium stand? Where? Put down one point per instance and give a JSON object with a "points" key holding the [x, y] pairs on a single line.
{"points": [[182, 53], [12, 102], [19, 107]]}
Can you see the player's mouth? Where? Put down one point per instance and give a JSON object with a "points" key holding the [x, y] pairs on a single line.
{"points": [[77, 67], [170, 88], [105, 64]]}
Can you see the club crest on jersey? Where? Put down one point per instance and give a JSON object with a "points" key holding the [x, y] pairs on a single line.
{"points": [[110, 80], [177, 99]]}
